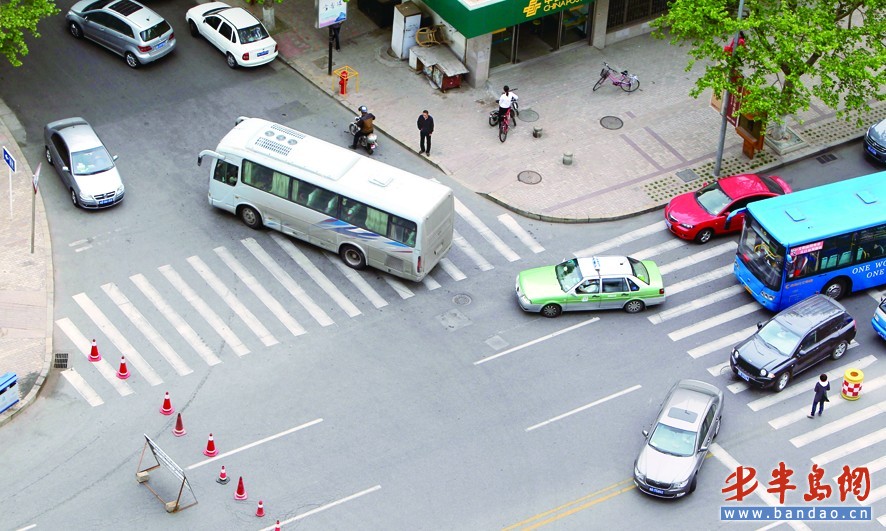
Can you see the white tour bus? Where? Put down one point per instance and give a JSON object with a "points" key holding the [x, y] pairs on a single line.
{"points": [[368, 212]]}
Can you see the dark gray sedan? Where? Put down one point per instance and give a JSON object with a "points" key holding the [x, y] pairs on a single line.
{"points": [[674, 451], [85, 166]]}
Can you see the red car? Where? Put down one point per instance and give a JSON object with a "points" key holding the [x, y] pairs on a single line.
{"points": [[701, 214]]}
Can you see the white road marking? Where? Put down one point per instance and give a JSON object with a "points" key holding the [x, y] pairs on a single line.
{"points": [[711, 322], [80, 385], [800, 414], [840, 424], [316, 275], [732, 465], [245, 314], [722, 343], [595, 250], [452, 270], [695, 304], [204, 310], [146, 328], [27, 527], [797, 388], [873, 467], [842, 451], [259, 291], [359, 282], [652, 252], [698, 280], [876, 294], [586, 406], [81, 249], [538, 340], [401, 289], [85, 346], [696, 258], [123, 346], [287, 281], [521, 233], [181, 326], [469, 250], [738, 387], [882, 520], [485, 231], [430, 283], [324, 507], [875, 495], [256, 443], [717, 370]]}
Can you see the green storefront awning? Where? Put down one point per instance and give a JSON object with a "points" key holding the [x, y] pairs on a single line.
{"points": [[478, 17]]}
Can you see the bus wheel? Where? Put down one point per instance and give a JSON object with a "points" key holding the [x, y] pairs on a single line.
{"points": [[352, 257], [250, 217], [834, 289]]}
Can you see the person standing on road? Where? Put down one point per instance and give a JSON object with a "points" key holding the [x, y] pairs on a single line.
{"points": [[334, 30], [821, 395], [426, 129]]}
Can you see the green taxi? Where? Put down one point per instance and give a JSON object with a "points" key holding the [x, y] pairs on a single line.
{"points": [[595, 283]]}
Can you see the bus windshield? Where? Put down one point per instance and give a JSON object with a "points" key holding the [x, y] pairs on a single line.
{"points": [[762, 255]]}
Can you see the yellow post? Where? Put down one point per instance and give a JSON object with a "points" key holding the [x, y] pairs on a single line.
{"points": [[852, 379]]}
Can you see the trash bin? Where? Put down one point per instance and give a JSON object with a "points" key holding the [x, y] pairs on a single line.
{"points": [[8, 391]]}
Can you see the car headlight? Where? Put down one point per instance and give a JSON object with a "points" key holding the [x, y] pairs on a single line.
{"points": [[639, 475], [120, 189], [767, 296], [764, 373], [524, 299], [681, 484], [86, 197], [687, 226], [735, 354]]}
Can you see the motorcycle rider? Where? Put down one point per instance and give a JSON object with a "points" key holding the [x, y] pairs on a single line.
{"points": [[504, 102], [364, 124]]}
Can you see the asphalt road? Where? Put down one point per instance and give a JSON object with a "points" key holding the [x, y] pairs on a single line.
{"points": [[440, 406]]}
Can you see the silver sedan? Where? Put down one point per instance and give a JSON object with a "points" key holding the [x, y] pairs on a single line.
{"points": [[84, 164]]}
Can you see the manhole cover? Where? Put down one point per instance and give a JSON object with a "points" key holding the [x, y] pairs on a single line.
{"points": [[687, 175], [461, 299], [611, 122], [528, 115], [827, 157], [529, 177], [61, 360]]}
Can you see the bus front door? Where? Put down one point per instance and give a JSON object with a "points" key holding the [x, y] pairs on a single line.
{"points": [[221, 187]]}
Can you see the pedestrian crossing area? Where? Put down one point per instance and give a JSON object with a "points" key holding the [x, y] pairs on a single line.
{"points": [[269, 289]]}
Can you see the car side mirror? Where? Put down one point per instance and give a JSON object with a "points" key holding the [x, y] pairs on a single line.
{"points": [[645, 433], [703, 449], [114, 157], [760, 325], [65, 168]]}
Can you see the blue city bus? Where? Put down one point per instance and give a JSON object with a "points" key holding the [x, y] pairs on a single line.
{"points": [[829, 239]]}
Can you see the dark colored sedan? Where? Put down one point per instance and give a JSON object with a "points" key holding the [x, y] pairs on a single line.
{"points": [[875, 141], [701, 214]]}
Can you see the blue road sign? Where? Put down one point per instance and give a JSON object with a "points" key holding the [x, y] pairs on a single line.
{"points": [[10, 160]]}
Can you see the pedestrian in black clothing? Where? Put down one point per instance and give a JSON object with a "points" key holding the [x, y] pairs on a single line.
{"points": [[821, 395], [333, 34], [426, 129]]}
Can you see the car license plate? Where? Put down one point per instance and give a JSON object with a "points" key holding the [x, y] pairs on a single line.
{"points": [[872, 150], [160, 45], [105, 201], [743, 376], [656, 491], [263, 53]]}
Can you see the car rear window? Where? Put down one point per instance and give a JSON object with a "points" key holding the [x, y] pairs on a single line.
{"points": [[772, 185], [156, 31], [639, 270], [252, 34]]}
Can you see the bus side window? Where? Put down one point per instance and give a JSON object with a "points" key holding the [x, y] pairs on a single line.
{"points": [[403, 231], [377, 221], [225, 173], [280, 185]]}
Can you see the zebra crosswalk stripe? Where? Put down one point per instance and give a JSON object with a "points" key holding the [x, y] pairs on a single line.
{"points": [[696, 258], [451, 269], [401, 289], [799, 414], [485, 232], [695, 304], [118, 339], [84, 345], [651, 252], [851, 447], [711, 322], [359, 282], [722, 344], [594, 250], [839, 424], [469, 250], [522, 234], [82, 387], [245, 314], [181, 326], [430, 283], [698, 280]]}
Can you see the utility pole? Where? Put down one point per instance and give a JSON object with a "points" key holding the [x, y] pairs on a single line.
{"points": [[727, 98]]}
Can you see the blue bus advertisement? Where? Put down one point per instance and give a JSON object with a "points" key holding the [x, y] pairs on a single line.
{"points": [[829, 239]]}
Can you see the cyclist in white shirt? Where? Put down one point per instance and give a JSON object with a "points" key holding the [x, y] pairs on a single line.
{"points": [[504, 102]]}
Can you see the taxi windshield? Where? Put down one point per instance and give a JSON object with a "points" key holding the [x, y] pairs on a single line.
{"points": [[568, 274]]}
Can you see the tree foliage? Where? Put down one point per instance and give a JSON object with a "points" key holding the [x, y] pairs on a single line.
{"points": [[17, 16], [833, 50]]}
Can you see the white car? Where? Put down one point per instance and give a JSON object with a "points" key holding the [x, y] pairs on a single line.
{"points": [[234, 31]]}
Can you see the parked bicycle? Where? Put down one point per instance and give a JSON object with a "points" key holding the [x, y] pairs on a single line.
{"points": [[627, 82]]}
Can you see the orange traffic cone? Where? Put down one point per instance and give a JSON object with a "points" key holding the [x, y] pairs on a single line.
{"points": [[179, 428], [93, 354], [123, 372], [167, 408], [223, 476], [241, 491], [210, 450], [261, 509], [277, 527]]}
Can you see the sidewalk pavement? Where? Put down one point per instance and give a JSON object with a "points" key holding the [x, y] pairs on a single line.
{"points": [[659, 143]]}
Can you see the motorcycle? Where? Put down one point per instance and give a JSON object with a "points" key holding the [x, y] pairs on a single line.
{"points": [[368, 142]]}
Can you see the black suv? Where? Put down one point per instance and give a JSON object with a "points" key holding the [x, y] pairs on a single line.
{"points": [[794, 340]]}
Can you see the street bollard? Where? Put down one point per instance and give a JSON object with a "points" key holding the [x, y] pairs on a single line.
{"points": [[852, 379], [536, 132], [567, 159]]}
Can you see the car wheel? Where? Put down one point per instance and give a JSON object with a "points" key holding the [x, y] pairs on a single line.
{"points": [[74, 198], [782, 381], [75, 30], [48, 156], [231, 61], [839, 350], [352, 257], [131, 60], [370, 150], [692, 485], [704, 236], [250, 217], [551, 310], [193, 27], [834, 289], [634, 306]]}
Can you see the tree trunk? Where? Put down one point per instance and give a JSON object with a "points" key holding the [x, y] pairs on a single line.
{"points": [[267, 11]]}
